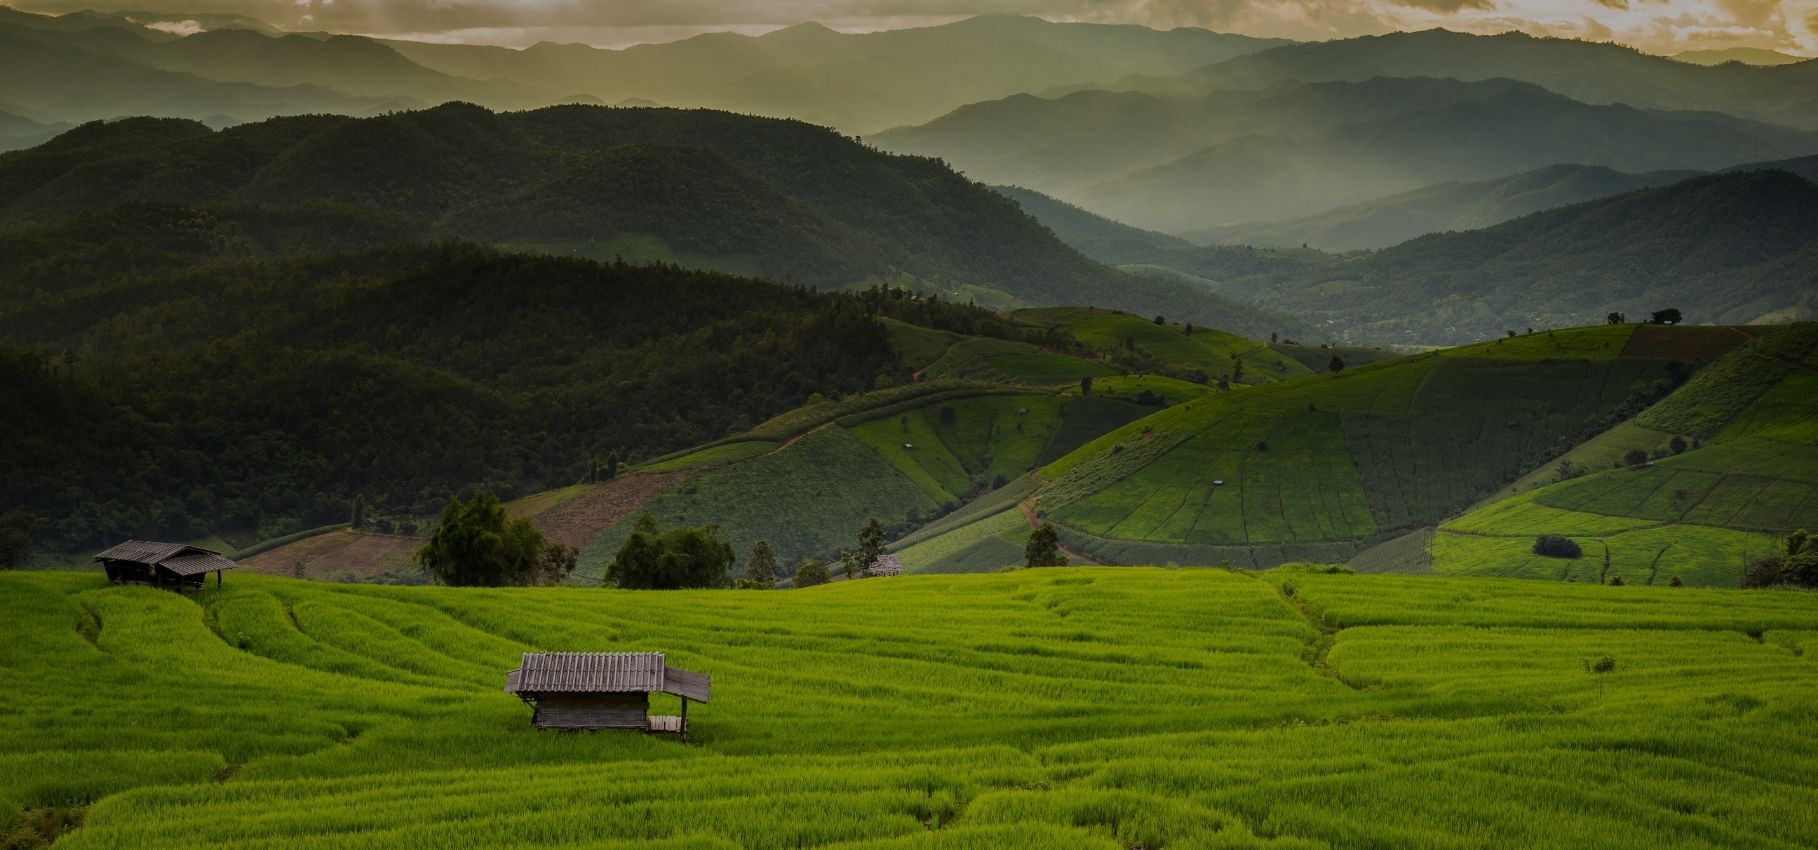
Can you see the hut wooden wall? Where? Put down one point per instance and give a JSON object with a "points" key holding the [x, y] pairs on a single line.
{"points": [[592, 711]]}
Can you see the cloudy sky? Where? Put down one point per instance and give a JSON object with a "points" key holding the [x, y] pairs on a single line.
{"points": [[1663, 26]]}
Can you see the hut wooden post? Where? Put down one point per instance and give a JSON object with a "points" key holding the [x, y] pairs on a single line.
{"points": [[684, 732]]}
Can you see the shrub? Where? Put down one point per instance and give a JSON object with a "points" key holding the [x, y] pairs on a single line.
{"points": [[811, 573], [1556, 546]]}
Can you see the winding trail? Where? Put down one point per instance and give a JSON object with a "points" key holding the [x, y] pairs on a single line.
{"points": [[1028, 508]]}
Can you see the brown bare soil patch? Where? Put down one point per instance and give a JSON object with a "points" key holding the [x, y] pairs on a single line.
{"points": [[326, 557], [582, 519], [1691, 344]]}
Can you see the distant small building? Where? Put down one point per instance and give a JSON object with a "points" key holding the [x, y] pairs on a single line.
{"points": [[885, 565], [604, 690], [173, 566]]}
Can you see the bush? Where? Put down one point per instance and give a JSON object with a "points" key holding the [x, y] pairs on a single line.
{"points": [[811, 573], [1555, 546]]}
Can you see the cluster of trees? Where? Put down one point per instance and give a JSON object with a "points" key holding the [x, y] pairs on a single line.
{"points": [[653, 558], [1557, 546], [1797, 568], [477, 544]]}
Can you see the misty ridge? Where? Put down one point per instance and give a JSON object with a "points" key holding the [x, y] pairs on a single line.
{"points": [[1240, 175]]}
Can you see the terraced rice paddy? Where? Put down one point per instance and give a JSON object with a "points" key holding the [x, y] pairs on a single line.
{"points": [[1103, 708], [1215, 351]]}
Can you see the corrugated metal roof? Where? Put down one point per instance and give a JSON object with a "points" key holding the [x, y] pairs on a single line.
{"points": [[885, 565], [179, 558], [604, 672], [143, 551], [191, 563]]}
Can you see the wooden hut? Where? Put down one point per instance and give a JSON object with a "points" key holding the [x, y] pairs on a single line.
{"points": [[603, 690], [174, 566]]}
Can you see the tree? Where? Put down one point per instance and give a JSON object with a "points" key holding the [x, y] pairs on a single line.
{"points": [[1510, 332], [555, 566], [612, 466], [1614, 318], [1616, 581], [1336, 365], [1189, 329], [593, 469], [1160, 321], [811, 573], [1556, 546], [870, 548], [1599, 669], [359, 512], [1085, 385], [1274, 337], [1635, 457], [1237, 370], [477, 544], [684, 556], [1797, 542], [1669, 316], [760, 565], [1676, 582], [1043, 548], [16, 530], [1677, 444]]}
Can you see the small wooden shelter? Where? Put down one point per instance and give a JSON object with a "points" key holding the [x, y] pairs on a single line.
{"points": [[174, 566], [604, 690]]}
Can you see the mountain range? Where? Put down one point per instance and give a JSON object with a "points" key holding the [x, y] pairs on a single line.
{"points": [[782, 199], [85, 66], [1190, 163]]}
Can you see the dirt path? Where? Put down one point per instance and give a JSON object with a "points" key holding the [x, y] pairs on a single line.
{"points": [[792, 440], [917, 374], [1028, 509]]}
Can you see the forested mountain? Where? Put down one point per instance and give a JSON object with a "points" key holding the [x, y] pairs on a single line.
{"points": [[265, 393], [1448, 206], [1730, 248], [1186, 163], [86, 66], [781, 199], [1600, 73]]}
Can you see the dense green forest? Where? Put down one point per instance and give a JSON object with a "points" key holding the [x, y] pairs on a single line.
{"points": [[262, 395], [783, 200]]}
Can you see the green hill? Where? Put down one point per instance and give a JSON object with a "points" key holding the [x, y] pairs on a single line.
{"points": [[1320, 468], [1744, 475], [779, 199], [1040, 710], [1728, 248], [395, 373]]}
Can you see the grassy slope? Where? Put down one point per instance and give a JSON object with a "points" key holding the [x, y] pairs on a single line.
{"points": [[1349, 460], [1053, 709], [809, 497], [1702, 515], [1215, 351]]}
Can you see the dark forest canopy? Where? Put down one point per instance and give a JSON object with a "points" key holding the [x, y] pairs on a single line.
{"points": [[263, 395]]}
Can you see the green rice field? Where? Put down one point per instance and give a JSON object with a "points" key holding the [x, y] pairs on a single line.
{"points": [[1100, 708]]}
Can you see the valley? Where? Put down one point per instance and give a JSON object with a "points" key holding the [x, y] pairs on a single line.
{"points": [[1145, 426]]}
